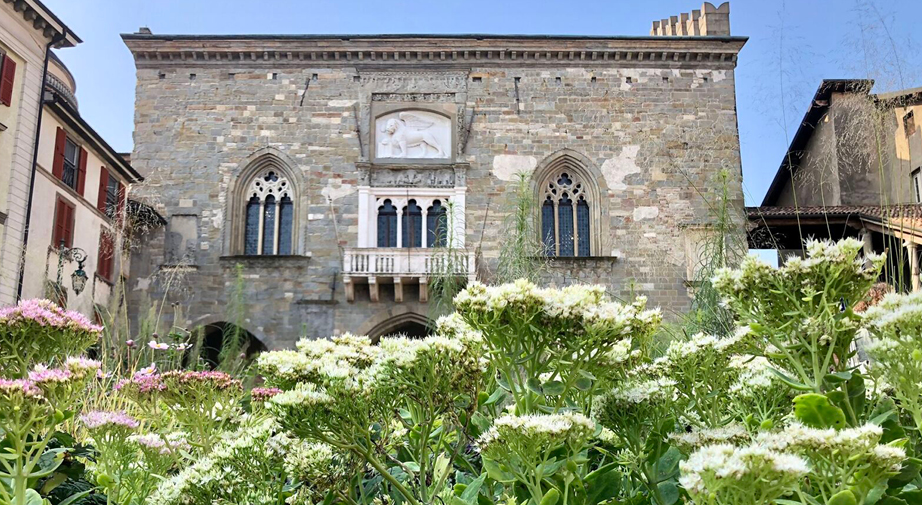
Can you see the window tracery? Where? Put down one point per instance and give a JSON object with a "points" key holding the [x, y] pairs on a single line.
{"points": [[269, 214]]}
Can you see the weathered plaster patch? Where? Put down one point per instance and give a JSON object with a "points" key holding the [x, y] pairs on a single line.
{"points": [[338, 191], [506, 166], [217, 219], [340, 103], [616, 169], [641, 213]]}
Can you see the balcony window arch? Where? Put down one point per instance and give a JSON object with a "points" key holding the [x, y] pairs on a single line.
{"points": [[387, 224], [263, 207], [570, 207]]}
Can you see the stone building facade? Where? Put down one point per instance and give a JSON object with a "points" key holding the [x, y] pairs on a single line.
{"points": [[310, 174]]}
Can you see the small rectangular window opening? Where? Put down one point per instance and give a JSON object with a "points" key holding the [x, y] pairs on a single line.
{"points": [[592, 80], [665, 79], [558, 80], [518, 79], [356, 78], [191, 77], [628, 80], [161, 75], [477, 79], [274, 76], [313, 77], [909, 124]]}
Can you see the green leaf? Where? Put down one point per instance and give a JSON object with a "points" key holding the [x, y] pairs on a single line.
{"points": [[583, 384], [668, 464], [469, 496], [603, 484], [586, 374], [815, 410], [33, 498], [74, 497], [554, 388], [845, 497], [412, 466], [551, 497], [497, 395], [892, 500], [496, 471], [838, 376], [534, 385], [790, 381], [669, 492]]}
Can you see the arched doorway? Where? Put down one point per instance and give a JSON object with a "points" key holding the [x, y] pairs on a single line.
{"points": [[408, 325], [222, 337]]}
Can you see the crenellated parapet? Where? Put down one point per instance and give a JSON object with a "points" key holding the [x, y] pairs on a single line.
{"points": [[709, 21]]}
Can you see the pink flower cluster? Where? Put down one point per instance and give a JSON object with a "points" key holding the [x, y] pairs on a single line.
{"points": [[22, 386], [143, 382], [217, 380], [42, 375], [46, 313], [263, 394], [81, 367], [98, 419], [160, 444]]}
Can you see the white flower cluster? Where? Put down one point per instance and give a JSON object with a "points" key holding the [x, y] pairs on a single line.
{"points": [[621, 352], [171, 443], [322, 360], [586, 303], [731, 434], [822, 256], [544, 430], [641, 391], [756, 376], [707, 470], [303, 394], [848, 444]]}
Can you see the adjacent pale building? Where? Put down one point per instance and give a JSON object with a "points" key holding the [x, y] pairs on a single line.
{"points": [[78, 206], [28, 30]]}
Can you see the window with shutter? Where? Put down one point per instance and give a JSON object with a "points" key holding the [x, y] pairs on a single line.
{"points": [[70, 176], [7, 76], [63, 224], [102, 190], [106, 260], [57, 165]]}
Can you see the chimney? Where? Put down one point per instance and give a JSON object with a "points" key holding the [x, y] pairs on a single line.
{"points": [[144, 30], [709, 21]]}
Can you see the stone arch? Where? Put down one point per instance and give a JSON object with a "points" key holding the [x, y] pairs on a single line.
{"points": [[243, 174], [396, 320], [214, 336], [596, 192]]}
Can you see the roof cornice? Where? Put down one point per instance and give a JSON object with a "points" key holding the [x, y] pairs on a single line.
{"points": [[446, 51], [43, 20]]}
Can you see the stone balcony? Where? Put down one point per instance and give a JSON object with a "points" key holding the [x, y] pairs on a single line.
{"points": [[399, 266]]}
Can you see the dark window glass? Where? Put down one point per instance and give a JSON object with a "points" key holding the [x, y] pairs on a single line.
{"points": [[547, 227], [436, 225], [387, 225], [112, 197], [269, 226], [71, 159], [412, 225], [251, 235], [286, 220], [582, 226], [565, 225]]}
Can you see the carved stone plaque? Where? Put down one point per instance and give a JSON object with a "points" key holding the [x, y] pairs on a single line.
{"points": [[425, 178], [413, 134]]}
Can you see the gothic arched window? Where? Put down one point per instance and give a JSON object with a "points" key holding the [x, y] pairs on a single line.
{"points": [[436, 225], [412, 225], [269, 215], [566, 220], [387, 225]]}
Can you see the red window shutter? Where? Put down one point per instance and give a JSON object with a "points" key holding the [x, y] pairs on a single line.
{"points": [[57, 168], [122, 195], [7, 75], [81, 172], [103, 188], [106, 256], [69, 237], [59, 216]]}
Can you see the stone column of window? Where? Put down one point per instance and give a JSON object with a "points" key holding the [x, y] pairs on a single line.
{"points": [[400, 227], [276, 240], [424, 227], [555, 201], [575, 229], [262, 219]]}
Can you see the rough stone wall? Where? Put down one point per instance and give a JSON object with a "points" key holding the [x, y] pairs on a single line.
{"points": [[656, 139]]}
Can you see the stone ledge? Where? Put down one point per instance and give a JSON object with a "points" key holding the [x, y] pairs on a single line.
{"points": [[583, 259], [261, 260]]}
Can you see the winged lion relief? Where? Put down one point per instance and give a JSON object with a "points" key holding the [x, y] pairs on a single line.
{"points": [[413, 134]]}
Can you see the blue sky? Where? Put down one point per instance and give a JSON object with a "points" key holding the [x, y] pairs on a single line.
{"points": [[793, 45]]}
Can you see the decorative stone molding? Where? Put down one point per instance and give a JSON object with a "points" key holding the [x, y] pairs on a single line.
{"points": [[413, 97], [418, 133], [412, 175], [370, 52]]}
